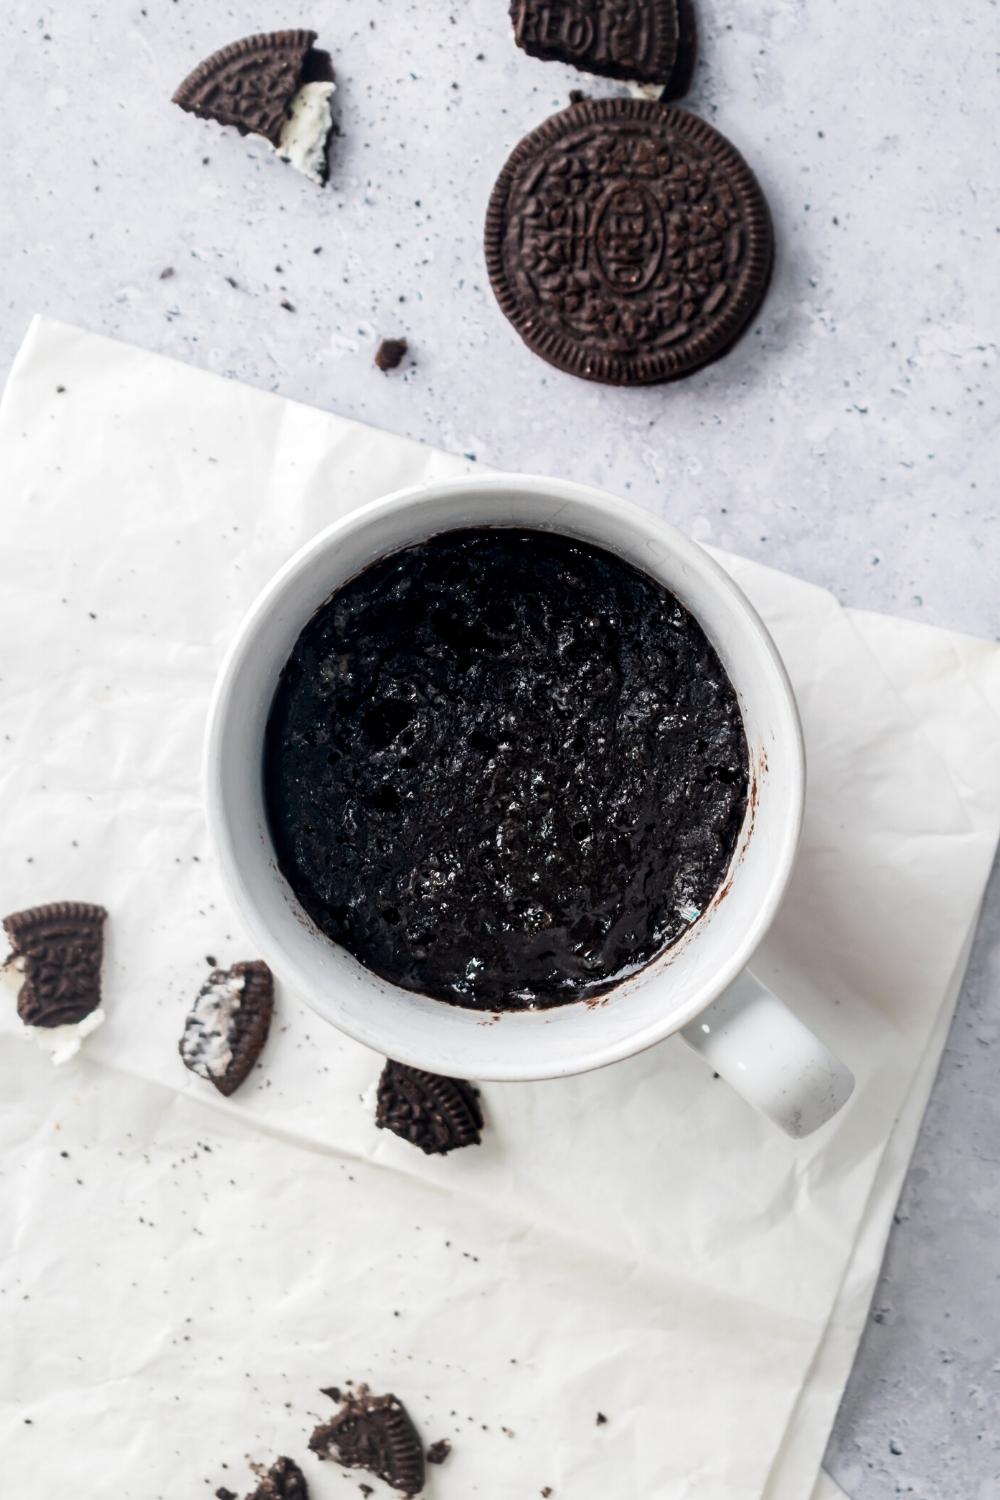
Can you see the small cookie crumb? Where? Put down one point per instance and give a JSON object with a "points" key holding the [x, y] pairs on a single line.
{"points": [[390, 353]]}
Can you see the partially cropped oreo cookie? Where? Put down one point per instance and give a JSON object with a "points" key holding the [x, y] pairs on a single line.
{"points": [[630, 39], [284, 1480], [374, 1433], [227, 1026], [276, 85], [628, 241], [435, 1113], [59, 949]]}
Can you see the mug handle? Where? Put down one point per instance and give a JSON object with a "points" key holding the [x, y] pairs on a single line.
{"points": [[769, 1057]]}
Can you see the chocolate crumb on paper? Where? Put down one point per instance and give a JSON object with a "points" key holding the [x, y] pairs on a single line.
{"points": [[439, 1451]]}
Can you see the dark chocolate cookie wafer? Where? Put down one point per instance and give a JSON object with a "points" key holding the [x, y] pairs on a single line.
{"points": [[435, 1113], [59, 950], [628, 241], [250, 83], [227, 1026], [632, 39], [374, 1433]]}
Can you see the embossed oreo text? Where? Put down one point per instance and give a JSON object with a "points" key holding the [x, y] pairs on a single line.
{"points": [[618, 37]]}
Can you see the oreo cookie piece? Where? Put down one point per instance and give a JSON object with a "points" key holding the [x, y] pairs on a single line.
{"points": [[227, 1026], [687, 51], [58, 948], [374, 1433], [629, 39], [628, 241], [284, 1480], [275, 85], [435, 1113]]}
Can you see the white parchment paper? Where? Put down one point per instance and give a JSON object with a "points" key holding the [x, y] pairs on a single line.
{"points": [[182, 1273]]}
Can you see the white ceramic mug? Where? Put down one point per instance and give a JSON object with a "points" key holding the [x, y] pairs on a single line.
{"points": [[699, 988]]}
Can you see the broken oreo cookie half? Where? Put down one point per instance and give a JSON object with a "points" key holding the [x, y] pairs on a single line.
{"points": [[276, 85], [435, 1113], [58, 949], [627, 39], [373, 1433], [227, 1026]]}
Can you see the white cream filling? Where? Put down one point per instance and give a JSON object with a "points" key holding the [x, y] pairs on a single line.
{"points": [[206, 1045], [303, 138], [64, 1042], [646, 90]]}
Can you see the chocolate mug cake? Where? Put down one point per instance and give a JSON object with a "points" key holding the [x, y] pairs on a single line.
{"points": [[504, 768]]}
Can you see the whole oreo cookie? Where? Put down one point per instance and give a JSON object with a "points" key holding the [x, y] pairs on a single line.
{"points": [[628, 241], [630, 39]]}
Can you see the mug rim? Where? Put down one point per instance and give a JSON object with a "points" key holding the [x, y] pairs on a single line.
{"points": [[692, 555]]}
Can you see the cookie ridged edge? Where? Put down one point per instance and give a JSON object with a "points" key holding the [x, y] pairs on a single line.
{"points": [[264, 43]]}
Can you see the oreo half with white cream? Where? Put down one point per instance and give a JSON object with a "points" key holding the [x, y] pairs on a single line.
{"points": [[276, 85], [227, 1026]]}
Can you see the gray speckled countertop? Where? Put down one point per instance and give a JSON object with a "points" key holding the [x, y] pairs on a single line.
{"points": [[851, 438]]}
